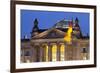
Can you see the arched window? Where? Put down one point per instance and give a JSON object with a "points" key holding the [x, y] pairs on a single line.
{"points": [[84, 53], [54, 52], [62, 52]]}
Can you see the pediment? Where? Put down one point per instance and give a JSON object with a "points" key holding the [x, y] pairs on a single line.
{"points": [[50, 33]]}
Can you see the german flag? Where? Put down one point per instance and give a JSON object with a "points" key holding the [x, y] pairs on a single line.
{"points": [[68, 35]]}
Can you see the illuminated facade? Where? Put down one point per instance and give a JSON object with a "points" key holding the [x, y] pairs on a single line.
{"points": [[46, 45]]}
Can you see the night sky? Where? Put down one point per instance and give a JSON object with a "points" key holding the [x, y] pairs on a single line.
{"points": [[47, 19]]}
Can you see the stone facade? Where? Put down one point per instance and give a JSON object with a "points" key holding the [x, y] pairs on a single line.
{"points": [[46, 45]]}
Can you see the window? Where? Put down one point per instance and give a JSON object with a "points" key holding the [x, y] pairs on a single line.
{"points": [[27, 53], [84, 50], [62, 52], [54, 52], [84, 53]]}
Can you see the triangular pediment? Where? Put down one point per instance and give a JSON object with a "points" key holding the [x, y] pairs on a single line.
{"points": [[50, 33]]}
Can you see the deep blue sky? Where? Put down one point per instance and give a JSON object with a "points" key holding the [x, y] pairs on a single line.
{"points": [[48, 18]]}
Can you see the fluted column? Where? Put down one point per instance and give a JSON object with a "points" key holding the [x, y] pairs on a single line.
{"points": [[58, 52], [49, 52]]}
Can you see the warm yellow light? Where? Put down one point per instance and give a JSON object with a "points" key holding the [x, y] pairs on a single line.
{"points": [[84, 56], [46, 53], [68, 36], [27, 61], [62, 49], [54, 52]]}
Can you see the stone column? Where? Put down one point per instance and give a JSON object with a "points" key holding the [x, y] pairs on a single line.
{"points": [[45, 52], [37, 53], [58, 52], [41, 53], [50, 52]]}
